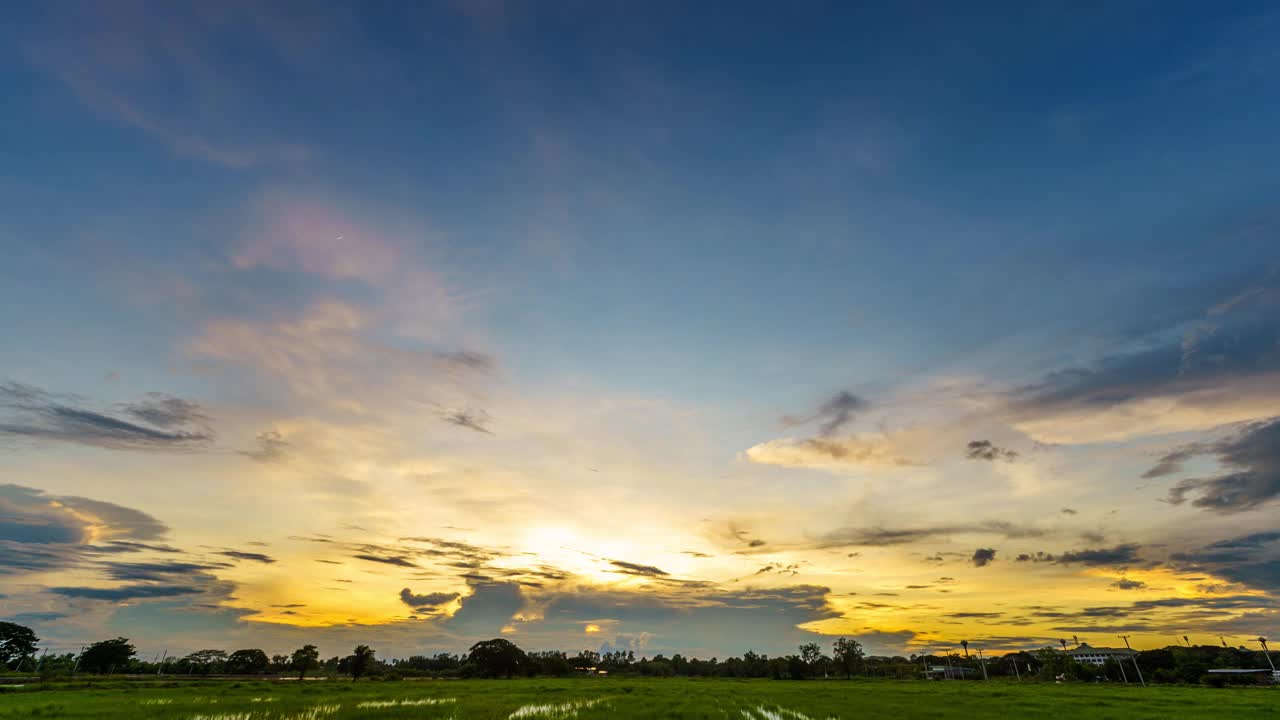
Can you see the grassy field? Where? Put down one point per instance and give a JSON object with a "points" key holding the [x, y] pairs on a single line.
{"points": [[589, 698]]}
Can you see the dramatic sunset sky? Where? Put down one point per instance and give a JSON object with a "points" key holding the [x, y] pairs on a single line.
{"points": [[625, 325]]}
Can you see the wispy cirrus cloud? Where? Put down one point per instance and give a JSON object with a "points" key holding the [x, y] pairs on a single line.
{"points": [[154, 72], [868, 451], [889, 536], [158, 422], [272, 447], [832, 415], [470, 419]]}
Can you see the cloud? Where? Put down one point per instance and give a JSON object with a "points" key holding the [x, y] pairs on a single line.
{"points": [[337, 239], [159, 73], [240, 555], [39, 531], [883, 537], [157, 571], [127, 592], [20, 557], [337, 354], [693, 621], [468, 419], [1253, 560], [29, 412], [984, 450], [489, 607], [832, 415], [1120, 555], [1251, 460], [790, 569], [1173, 614], [165, 411], [1230, 373], [1038, 556], [397, 560], [825, 452], [469, 359], [151, 581], [430, 600], [1127, 584], [983, 557], [124, 546], [272, 447], [629, 568]]}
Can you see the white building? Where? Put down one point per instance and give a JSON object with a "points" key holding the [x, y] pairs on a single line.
{"points": [[1086, 653]]}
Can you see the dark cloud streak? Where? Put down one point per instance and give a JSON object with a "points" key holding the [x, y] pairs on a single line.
{"points": [[172, 423]]}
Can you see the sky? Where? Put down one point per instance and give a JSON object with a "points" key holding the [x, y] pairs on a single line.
{"points": [[662, 327]]}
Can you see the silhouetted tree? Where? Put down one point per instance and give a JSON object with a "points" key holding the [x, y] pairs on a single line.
{"points": [[497, 657], [248, 662], [106, 655], [551, 662], [810, 654], [17, 643], [303, 659], [585, 660], [848, 655], [207, 661], [361, 659]]}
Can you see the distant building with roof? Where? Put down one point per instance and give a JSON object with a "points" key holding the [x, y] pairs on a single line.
{"points": [[1260, 674], [948, 672], [1086, 653]]}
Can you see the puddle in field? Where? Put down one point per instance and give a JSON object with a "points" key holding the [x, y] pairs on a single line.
{"points": [[374, 704], [316, 712], [761, 712], [563, 710]]}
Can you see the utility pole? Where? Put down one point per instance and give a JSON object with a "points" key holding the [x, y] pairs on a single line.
{"points": [[160, 669], [76, 669], [983, 663], [1134, 658], [1267, 652], [949, 675], [1016, 673]]}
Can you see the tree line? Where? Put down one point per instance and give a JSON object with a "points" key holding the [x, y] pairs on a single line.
{"points": [[500, 658]]}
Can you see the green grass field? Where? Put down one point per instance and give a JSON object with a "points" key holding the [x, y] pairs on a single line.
{"points": [[590, 698]]}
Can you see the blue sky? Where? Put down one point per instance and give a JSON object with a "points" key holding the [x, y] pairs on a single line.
{"points": [[598, 268]]}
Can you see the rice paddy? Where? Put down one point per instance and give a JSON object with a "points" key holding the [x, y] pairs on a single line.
{"points": [[593, 699]]}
